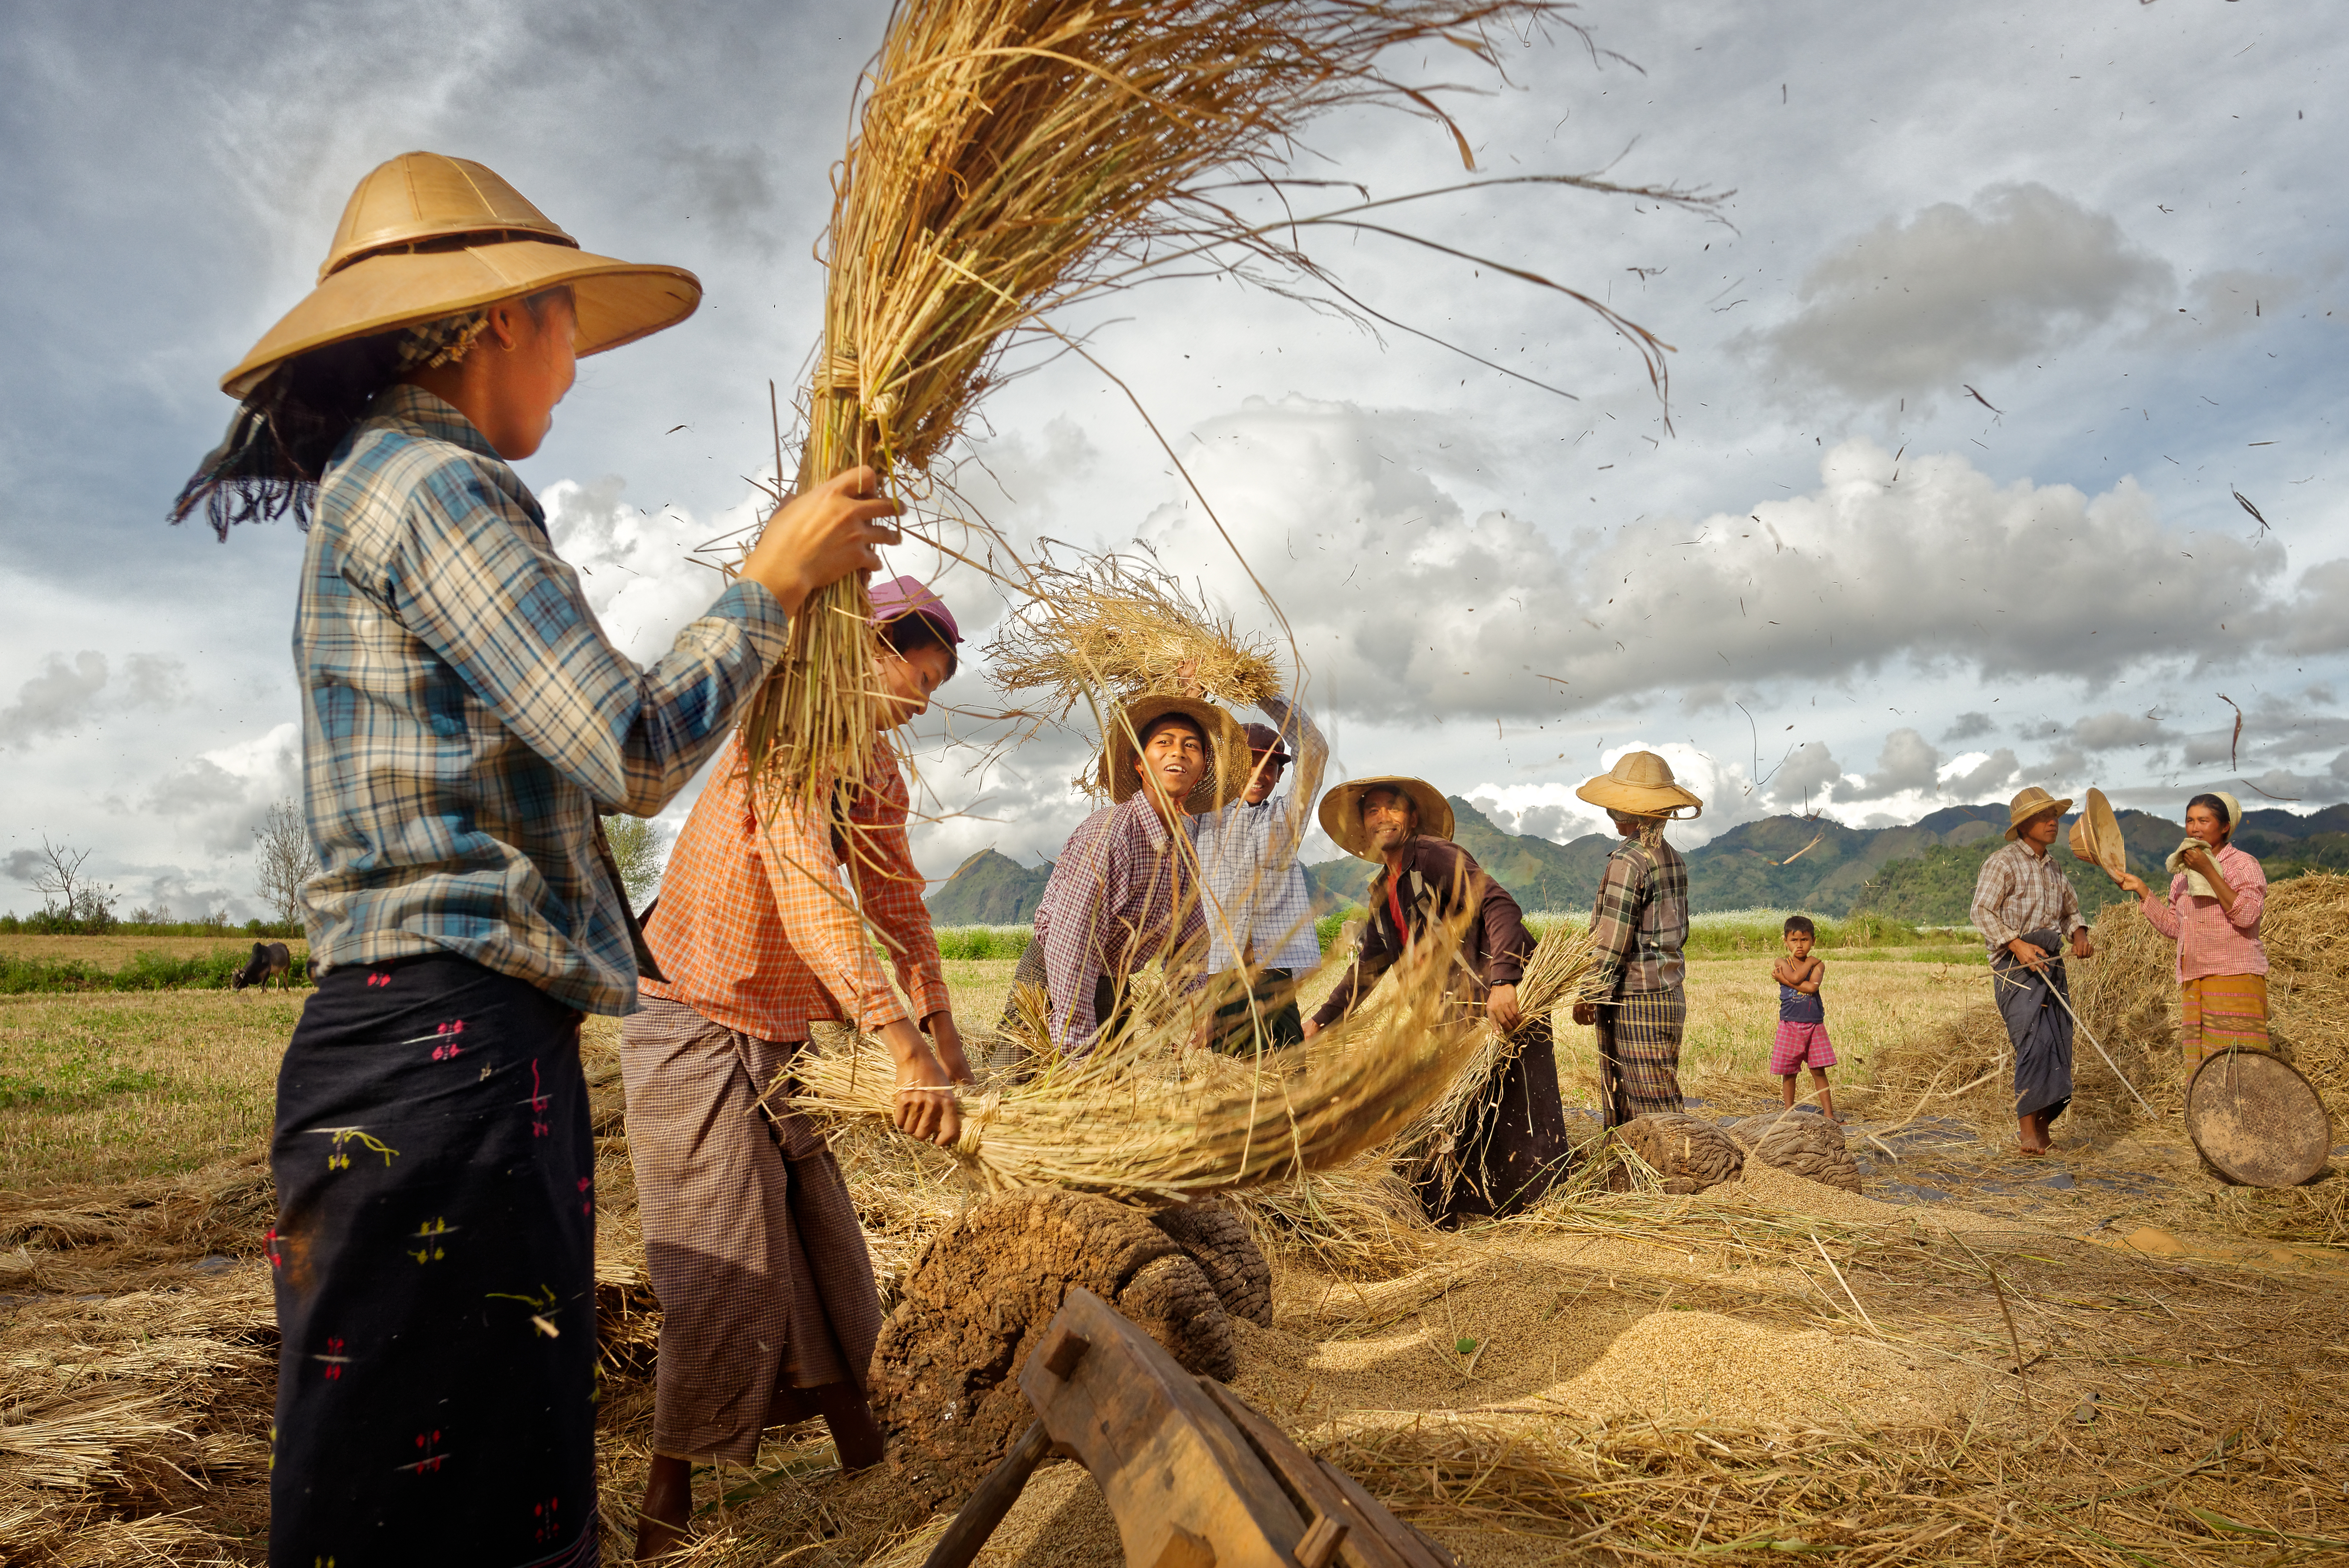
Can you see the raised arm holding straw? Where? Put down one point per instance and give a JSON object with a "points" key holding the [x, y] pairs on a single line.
{"points": [[464, 722], [1260, 938]]}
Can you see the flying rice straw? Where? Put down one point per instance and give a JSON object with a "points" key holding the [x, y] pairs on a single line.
{"points": [[1013, 156], [1130, 1120], [1123, 624], [1554, 975]]}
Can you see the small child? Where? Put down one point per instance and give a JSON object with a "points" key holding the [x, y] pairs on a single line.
{"points": [[1802, 1016]]}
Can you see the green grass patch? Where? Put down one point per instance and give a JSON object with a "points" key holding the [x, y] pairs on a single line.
{"points": [[982, 944], [144, 972]]}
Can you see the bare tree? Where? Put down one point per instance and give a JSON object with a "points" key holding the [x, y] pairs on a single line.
{"points": [[640, 850], [286, 860], [63, 889]]}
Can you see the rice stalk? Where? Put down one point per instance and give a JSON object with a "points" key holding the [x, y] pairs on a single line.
{"points": [[1012, 156], [1124, 625], [1142, 1116], [1554, 975]]}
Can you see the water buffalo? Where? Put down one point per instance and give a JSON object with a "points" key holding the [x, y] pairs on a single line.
{"points": [[270, 961]]}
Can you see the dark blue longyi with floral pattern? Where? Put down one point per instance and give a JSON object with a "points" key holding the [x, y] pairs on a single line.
{"points": [[434, 1257]]}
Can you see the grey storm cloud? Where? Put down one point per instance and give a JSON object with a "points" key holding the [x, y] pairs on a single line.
{"points": [[1906, 762], [2111, 731], [1920, 305], [1969, 726], [69, 693]]}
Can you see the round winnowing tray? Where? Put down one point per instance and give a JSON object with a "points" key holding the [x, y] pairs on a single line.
{"points": [[2257, 1121]]}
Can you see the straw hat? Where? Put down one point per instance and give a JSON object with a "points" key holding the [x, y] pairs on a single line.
{"points": [[2031, 803], [1641, 784], [2095, 837], [426, 236], [1227, 751], [1341, 810]]}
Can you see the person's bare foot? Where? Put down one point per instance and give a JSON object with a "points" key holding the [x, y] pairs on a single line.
{"points": [[660, 1518]]}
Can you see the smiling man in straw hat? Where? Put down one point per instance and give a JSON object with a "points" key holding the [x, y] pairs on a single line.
{"points": [[1638, 929], [2024, 908], [464, 721], [1126, 887], [1516, 1139]]}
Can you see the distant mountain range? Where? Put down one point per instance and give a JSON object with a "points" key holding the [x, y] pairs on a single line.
{"points": [[1923, 872]]}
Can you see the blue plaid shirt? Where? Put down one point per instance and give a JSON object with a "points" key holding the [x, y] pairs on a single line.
{"points": [[464, 718]]}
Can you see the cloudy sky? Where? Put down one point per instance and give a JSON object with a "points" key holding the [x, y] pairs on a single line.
{"points": [[2008, 303]]}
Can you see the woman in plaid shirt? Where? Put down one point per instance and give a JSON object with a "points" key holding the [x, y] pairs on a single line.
{"points": [[464, 722]]}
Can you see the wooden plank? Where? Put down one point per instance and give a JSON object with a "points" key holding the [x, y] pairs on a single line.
{"points": [[1367, 1537], [988, 1505], [1186, 1489]]}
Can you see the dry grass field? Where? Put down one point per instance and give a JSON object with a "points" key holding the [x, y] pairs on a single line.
{"points": [[101, 1087], [2002, 1374]]}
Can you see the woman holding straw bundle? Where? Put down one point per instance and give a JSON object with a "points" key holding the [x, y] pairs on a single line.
{"points": [[464, 720], [1514, 1145], [1638, 929], [2217, 892], [769, 1307]]}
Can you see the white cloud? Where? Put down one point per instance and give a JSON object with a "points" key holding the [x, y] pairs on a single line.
{"points": [[1915, 307], [1406, 608], [222, 796], [635, 565], [1975, 777]]}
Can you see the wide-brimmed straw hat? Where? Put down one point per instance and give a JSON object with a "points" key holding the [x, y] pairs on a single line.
{"points": [[2032, 802], [426, 236], [1341, 810], [1227, 751], [1641, 784], [2095, 837]]}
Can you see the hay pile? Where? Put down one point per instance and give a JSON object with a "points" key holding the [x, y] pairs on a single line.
{"points": [[2128, 995], [138, 1366]]}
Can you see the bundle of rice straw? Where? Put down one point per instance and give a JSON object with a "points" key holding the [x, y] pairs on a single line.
{"points": [[1554, 975], [1124, 625], [1012, 156], [1142, 1117]]}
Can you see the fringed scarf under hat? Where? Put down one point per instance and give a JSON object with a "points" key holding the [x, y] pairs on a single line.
{"points": [[283, 434]]}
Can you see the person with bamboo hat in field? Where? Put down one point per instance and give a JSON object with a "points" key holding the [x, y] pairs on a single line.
{"points": [[2024, 909], [769, 1307], [2217, 894], [1515, 1145], [1126, 889], [464, 721], [1638, 927], [1261, 937]]}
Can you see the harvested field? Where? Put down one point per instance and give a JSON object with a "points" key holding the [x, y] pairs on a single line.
{"points": [[1763, 1368]]}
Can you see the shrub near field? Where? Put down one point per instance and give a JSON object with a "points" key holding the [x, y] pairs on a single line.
{"points": [[62, 968]]}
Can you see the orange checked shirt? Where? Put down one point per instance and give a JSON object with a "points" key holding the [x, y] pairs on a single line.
{"points": [[758, 930]]}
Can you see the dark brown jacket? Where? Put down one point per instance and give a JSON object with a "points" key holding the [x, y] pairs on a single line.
{"points": [[1438, 879]]}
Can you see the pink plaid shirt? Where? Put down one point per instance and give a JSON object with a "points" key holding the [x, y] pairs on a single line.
{"points": [[2212, 941]]}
